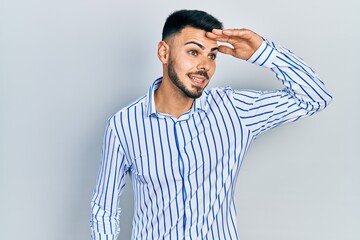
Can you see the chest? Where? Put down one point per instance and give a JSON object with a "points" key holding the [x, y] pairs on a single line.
{"points": [[162, 150]]}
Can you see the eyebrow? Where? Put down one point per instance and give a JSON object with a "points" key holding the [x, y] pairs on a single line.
{"points": [[201, 46]]}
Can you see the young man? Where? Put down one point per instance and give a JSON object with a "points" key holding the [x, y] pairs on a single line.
{"points": [[183, 145]]}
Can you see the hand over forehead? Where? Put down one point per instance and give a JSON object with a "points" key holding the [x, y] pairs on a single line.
{"points": [[244, 41]]}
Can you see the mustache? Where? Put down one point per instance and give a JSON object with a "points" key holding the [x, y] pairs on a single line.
{"points": [[201, 73]]}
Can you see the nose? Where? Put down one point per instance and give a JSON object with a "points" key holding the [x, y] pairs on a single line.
{"points": [[204, 64]]}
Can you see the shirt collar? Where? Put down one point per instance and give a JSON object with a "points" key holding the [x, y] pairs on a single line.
{"points": [[199, 103]]}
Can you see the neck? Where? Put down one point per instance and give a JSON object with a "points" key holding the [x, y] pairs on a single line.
{"points": [[171, 100]]}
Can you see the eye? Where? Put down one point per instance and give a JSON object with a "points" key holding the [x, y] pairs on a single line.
{"points": [[212, 56], [193, 52]]}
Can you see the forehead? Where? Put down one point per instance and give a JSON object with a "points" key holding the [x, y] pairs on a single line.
{"points": [[189, 34]]}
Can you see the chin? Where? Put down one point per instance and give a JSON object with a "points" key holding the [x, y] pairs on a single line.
{"points": [[195, 93]]}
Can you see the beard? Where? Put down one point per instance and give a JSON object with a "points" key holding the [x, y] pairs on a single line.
{"points": [[195, 92]]}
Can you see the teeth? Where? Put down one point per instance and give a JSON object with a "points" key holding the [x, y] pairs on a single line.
{"points": [[197, 79]]}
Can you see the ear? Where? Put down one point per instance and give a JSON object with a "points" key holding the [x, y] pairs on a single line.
{"points": [[163, 52]]}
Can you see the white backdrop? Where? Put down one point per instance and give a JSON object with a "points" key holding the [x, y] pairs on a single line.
{"points": [[66, 66]]}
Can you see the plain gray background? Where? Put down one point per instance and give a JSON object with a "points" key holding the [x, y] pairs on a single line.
{"points": [[66, 66]]}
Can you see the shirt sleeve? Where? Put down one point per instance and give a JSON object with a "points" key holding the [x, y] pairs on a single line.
{"points": [[303, 95], [105, 213]]}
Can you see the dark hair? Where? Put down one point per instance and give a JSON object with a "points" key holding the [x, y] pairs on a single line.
{"points": [[198, 19]]}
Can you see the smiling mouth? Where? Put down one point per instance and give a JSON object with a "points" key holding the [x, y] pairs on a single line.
{"points": [[199, 78]]}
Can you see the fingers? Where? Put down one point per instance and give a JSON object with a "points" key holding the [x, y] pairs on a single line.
{"points": [[217, 31], [232, 36], [227, 33], [241, 33], [244, 42], [218, 37]]}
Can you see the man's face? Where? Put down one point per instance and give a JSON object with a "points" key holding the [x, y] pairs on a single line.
{"points": [[191, 61]]}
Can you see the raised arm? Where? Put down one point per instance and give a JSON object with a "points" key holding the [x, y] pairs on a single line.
{"points": [[303, 94]]}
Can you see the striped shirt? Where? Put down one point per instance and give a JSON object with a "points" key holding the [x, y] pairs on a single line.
{"points": [[184, 170]]}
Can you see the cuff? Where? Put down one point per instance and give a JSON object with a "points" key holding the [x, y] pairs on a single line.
{"points": [[101, 236], [264, 55]]}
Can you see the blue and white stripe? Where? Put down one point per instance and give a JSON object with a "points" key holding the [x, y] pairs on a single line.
{"points": [[184, 170]]}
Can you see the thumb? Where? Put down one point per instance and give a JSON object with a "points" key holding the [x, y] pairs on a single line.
{"points": [[226, 50]]}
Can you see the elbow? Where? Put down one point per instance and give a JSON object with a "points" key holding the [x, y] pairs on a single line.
{"points": [[326, 100], [318, 106], [321, 100], [314, 106]]}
